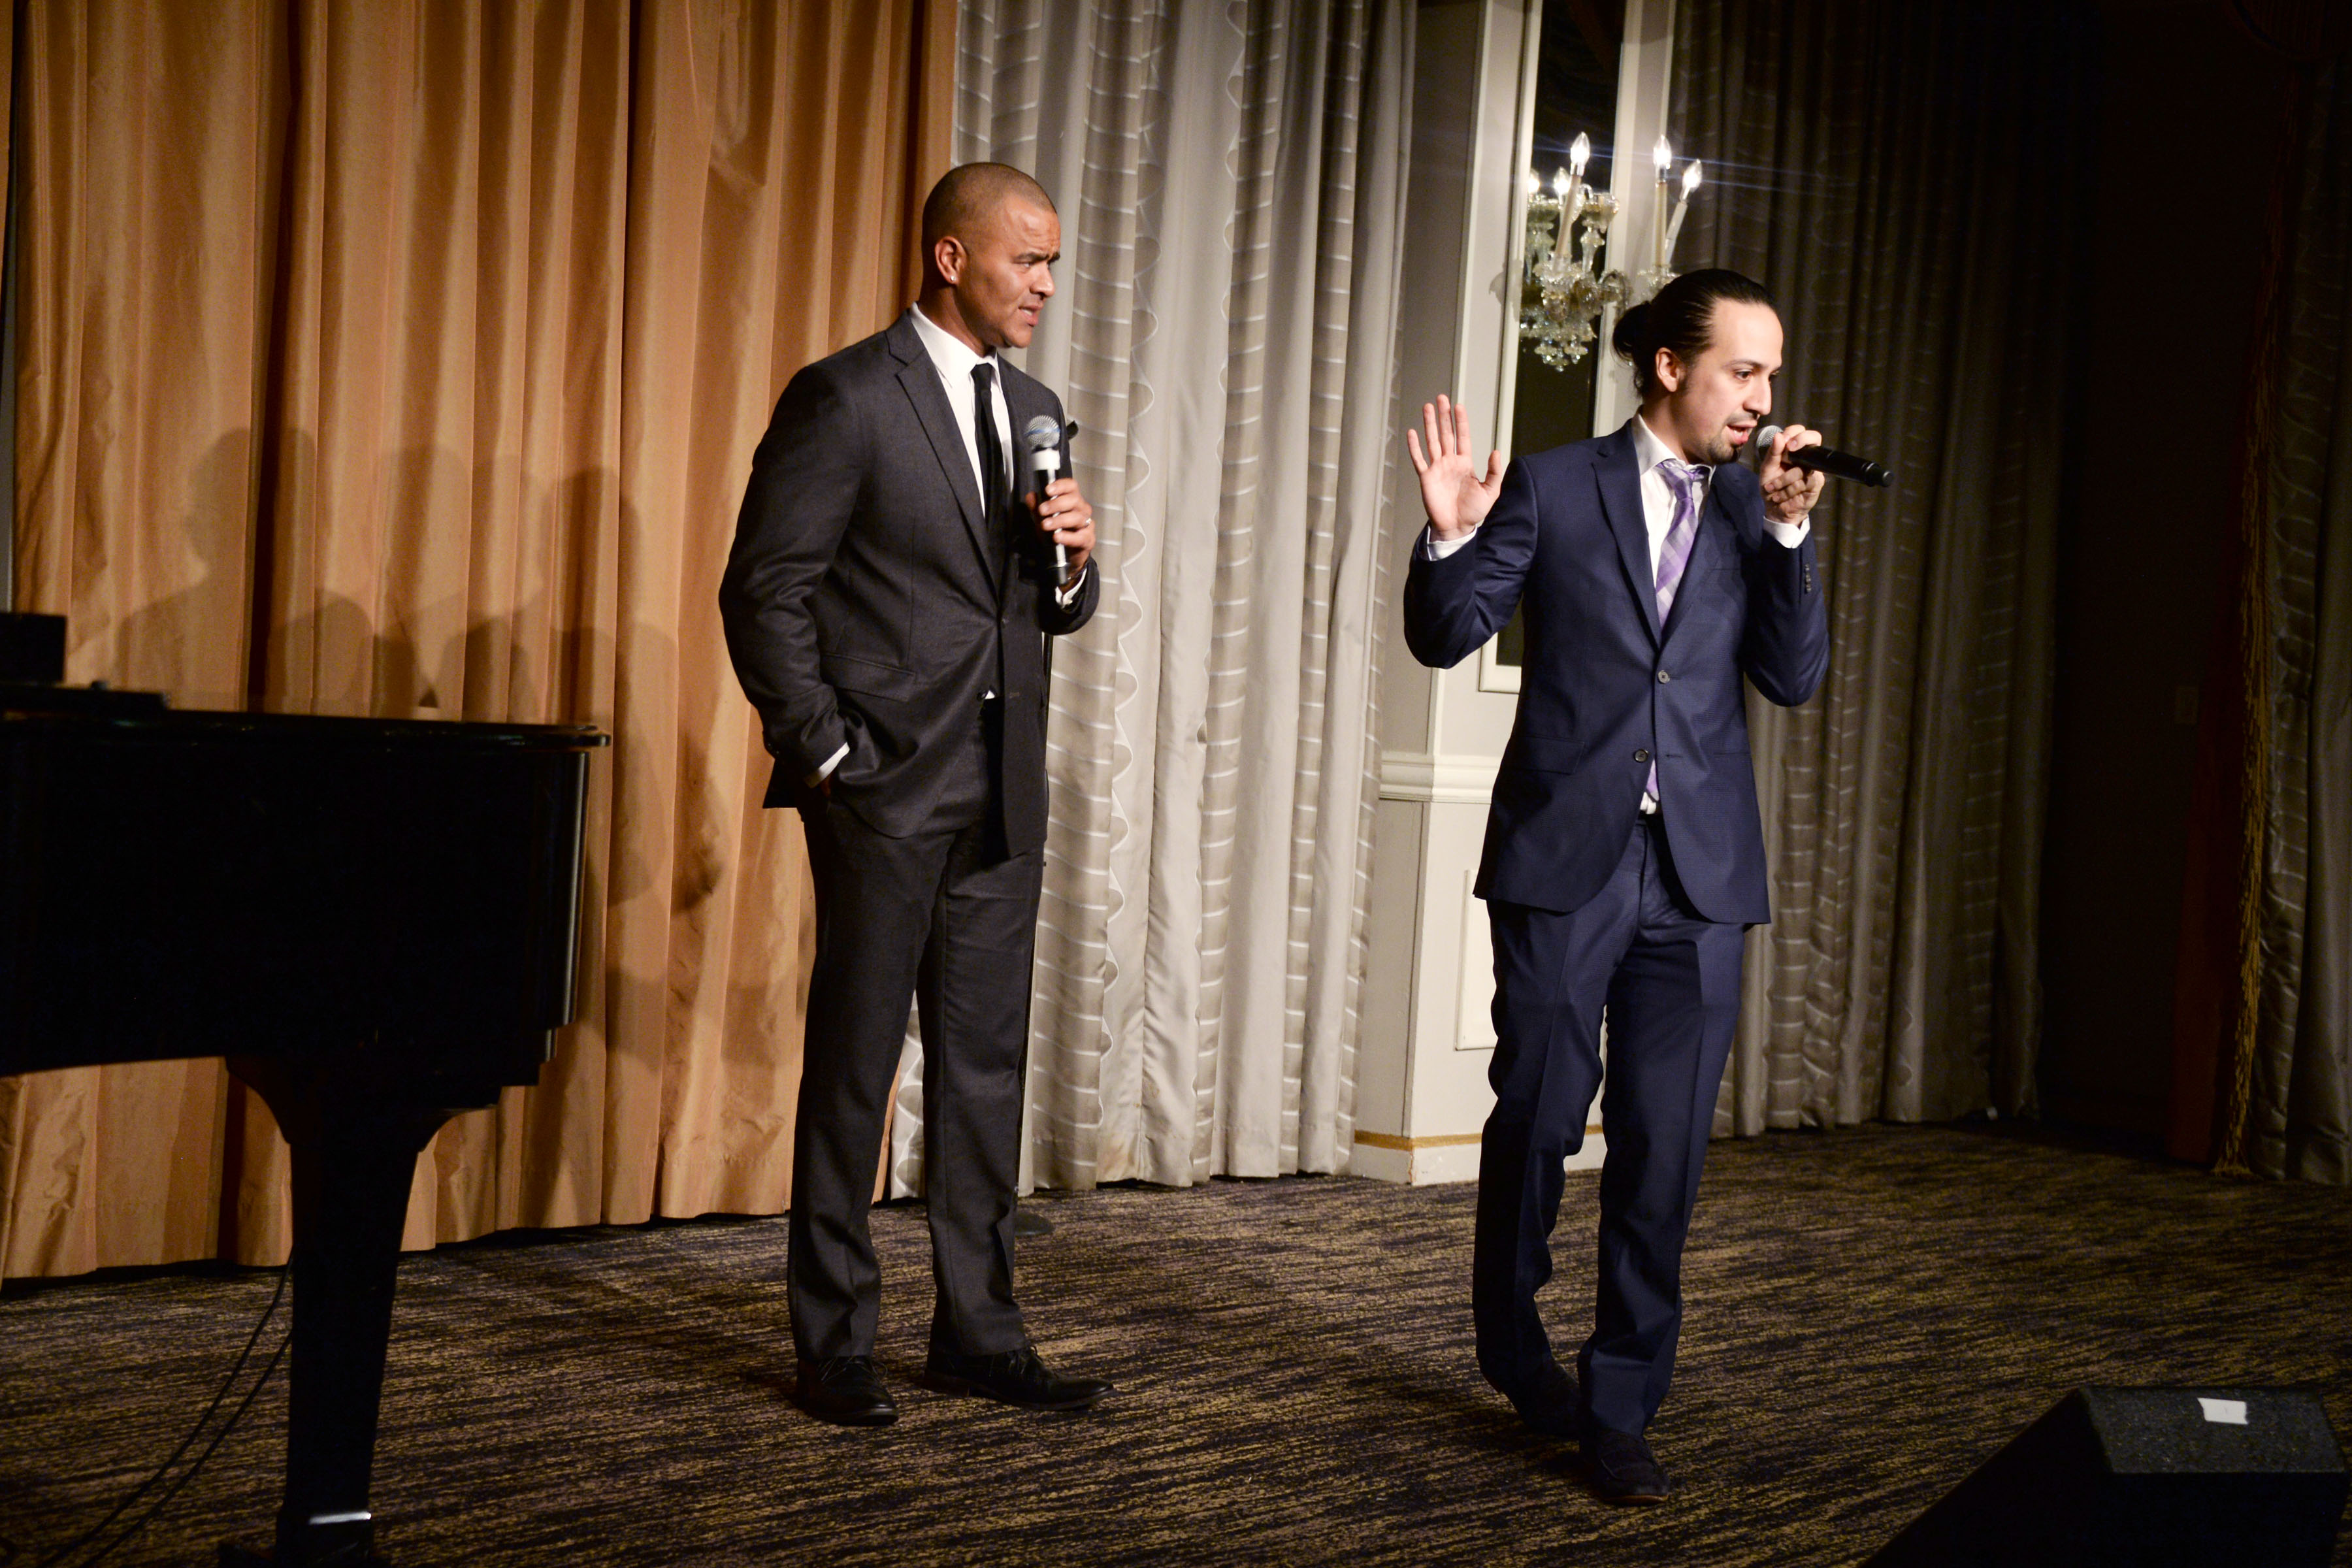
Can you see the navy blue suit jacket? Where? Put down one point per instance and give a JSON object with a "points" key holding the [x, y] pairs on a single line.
{"points": [[1604, 687]]}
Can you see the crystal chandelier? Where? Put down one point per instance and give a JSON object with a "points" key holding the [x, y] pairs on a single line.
{"points": [[1564, 288]]}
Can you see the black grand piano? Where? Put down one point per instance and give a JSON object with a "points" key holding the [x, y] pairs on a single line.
{"points": [[375, 920]]}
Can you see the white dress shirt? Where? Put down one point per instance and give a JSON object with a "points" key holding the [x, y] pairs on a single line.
{"points": [[1657, 519], [954, 359]]}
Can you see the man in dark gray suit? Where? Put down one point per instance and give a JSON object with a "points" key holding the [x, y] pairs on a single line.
{"points": [[887, 605]]}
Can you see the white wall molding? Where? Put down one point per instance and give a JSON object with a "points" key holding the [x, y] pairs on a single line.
{"points": [[1443, 779], [1494, 675], [1431, 1162], [1417, 1161], [1474, 1001]]}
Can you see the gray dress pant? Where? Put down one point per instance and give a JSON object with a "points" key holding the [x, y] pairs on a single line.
{"points": [[943, 916]]}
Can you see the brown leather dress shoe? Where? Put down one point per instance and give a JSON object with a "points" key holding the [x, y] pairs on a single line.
{"points": [[1623, 1469], [844, 1390], [1011, 1377]]}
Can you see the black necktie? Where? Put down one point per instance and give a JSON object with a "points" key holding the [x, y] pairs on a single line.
{"points": [[995, 481]]}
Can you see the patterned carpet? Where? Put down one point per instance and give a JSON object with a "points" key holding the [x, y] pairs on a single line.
{"points": [[1872, 1313]]}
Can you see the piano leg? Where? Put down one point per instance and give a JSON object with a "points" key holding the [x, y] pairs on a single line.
{"points": [[354, 1144]]}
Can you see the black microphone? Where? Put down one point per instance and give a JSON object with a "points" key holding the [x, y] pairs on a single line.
{"points": [[1826, 460], [1043, 439]]}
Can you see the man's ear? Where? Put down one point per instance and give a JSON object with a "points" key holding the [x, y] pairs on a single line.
{"points": [[948, 258], [1668, 369]]}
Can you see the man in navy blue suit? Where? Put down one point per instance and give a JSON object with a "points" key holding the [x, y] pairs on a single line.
{"points": [[1625, 853]]}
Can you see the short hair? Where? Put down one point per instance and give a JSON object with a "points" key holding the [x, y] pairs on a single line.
{"points": [[1681, 317], [968, 191]]}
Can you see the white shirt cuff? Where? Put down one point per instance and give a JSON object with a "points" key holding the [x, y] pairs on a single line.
{"points": [[1435, 549], [1068, 596], [831, 762], [1790, 534]]}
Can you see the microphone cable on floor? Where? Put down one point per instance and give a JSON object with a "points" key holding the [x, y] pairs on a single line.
{"points": [[57, 1559]]}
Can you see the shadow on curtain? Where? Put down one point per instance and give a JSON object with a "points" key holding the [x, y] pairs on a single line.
{"points": [[406, 360]]}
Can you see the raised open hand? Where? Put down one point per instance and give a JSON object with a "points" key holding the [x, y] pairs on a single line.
{"points": [[1452, 492]]}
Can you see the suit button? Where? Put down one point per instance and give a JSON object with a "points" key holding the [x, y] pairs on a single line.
{"points": [[1663, 677], [1640, 754]]}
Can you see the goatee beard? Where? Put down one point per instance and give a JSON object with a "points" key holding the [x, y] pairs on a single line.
{"points": [[1717, 450]]}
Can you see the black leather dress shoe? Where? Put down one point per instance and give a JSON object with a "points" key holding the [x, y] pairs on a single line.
{"points": [[1011, 1377], [844, 1390], [1623, 1469]]}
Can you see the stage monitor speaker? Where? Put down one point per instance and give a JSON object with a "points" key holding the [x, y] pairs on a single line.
{"points": [[2147, 1477]]}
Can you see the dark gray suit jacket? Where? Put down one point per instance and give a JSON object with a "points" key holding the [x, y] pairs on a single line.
{"points": [[868, 602]]}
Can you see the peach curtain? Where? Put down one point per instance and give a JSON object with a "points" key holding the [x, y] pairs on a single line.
{"points": [[406, 359]]}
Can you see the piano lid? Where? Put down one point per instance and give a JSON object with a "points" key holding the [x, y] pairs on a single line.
{"points": [[33, 706], [80, 702], [32, 671]]}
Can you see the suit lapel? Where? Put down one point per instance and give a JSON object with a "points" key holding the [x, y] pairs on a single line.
{"points": [[1620, 503], [1024, 399], [920, 378]]}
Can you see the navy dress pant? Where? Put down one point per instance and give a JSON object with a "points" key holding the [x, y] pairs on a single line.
{"points": [[1669, 982]]}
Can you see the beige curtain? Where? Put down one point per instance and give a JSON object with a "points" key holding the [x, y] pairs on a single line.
{"points": [[1231, 183], [1901, 177], [406, 359]]}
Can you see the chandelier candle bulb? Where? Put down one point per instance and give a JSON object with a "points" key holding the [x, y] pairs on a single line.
{"points": [[1674, 230], [1663, 155]]}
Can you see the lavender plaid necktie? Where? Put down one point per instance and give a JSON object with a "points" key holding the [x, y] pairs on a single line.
{"points": [[1684, 479]]}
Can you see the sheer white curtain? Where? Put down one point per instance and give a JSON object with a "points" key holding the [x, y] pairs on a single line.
{"points": [[1231, 179]]}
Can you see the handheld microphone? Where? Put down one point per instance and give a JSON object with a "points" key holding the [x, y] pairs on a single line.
{"points": [[1043, 439], [1824, 461]]}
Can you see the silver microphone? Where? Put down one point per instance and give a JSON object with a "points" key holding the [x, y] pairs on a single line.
{"points": [[1043, 439]]}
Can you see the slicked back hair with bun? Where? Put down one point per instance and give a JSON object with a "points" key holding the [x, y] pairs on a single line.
{"points": [[1681, 317]]}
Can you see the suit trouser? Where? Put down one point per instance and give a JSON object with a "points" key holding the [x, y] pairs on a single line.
{"points": [[1670, 981], [943, 916]]}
